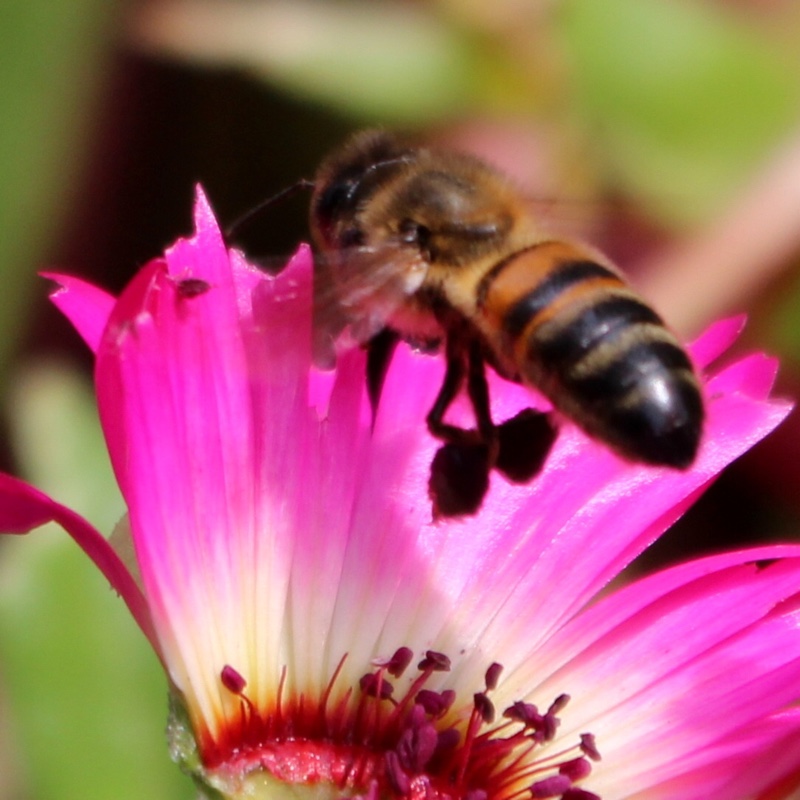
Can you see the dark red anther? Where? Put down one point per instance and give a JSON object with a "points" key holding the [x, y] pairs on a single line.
{"points": [[576, 769], [399, 661], [558, 704], [416, 747], [374, 686], [448, 739], [417, 717], [493, 675], [484, 707], [526, 713], [579, 794], [436, 704], [555, 786], [436, 662], [550, 721], [589, 747], [548, 728], [232, 680]]}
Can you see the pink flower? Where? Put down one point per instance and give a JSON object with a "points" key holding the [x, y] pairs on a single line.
{"points": [[317, 627]]}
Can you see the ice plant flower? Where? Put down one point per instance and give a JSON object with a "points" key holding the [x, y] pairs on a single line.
{"points": [[323, 637]]}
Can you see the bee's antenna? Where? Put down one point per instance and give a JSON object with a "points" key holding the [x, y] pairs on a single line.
{"points": [[237, 225]]}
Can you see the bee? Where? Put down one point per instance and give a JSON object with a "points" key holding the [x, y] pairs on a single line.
{"points": [[439, 248]]}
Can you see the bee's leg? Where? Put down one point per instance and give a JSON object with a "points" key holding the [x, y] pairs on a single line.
{"points": [[459, 479], [380, 350], [455, 373], [525, 441], [460, 469], [478, 391]]}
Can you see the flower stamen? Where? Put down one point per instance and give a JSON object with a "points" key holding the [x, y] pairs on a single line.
{"points": [[423, 749]]}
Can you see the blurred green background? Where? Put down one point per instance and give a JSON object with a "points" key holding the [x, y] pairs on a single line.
{"points": [[666, 132]]}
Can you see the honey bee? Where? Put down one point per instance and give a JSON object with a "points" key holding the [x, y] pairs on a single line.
{"points": [[438, 247]]}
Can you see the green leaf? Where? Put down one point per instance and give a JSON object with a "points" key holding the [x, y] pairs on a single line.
{"points": [[396, 63], [682, 99], [58, 441], [52, 66], [87, 697], [372, 62]]}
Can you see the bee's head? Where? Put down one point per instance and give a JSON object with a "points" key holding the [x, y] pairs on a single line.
{"points": [[346, 180]]}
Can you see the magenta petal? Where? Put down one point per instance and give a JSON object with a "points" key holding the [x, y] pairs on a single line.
{"points": [[119, 327], [204, 401], [676, 662], [285, 540], [762, 754], [716, 339], [625, 603], [23, 508], [753, 375], [86, 306]]}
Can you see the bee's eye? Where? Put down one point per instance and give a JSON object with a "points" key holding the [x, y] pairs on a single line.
{"points": [[334, 200], [412, 233], [351, 237]]}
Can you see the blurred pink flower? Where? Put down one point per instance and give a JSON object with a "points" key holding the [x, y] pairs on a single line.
{"points": [[318, 628]]}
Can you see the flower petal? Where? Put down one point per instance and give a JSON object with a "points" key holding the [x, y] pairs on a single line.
{"points": [[86, 306], [716, 339], [203, 396], [286, 540], [675, 663], [753, 375], [765, 753]]}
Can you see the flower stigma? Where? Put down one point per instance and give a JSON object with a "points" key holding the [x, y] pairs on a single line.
{"points": [[365, 742]]}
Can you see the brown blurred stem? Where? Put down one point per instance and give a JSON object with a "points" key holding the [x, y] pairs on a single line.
{"points": [[721, 269]]}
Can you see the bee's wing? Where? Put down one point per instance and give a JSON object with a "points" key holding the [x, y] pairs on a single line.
{"points": [[357, 290]]}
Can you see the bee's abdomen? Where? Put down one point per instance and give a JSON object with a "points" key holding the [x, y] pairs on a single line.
{"points": [[576, 331]]}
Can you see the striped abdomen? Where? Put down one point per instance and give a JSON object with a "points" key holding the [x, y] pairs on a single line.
{"points": [[577, 332]]}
